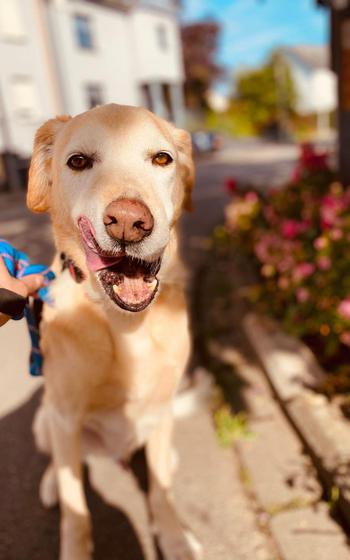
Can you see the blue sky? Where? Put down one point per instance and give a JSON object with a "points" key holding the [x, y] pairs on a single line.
{"points": [[251, 28]]}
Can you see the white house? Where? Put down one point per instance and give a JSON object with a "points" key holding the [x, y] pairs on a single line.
{"points": [[26, 97], [315, 83], [65, 56]]}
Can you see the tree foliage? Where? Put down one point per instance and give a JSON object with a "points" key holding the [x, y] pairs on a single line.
{"points": [[267, 94], [200, 43]]}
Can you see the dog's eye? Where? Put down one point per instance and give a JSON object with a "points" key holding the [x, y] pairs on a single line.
{"points": [[162, 159], [79, 162]]}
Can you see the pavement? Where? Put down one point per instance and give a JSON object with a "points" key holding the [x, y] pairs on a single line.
{"points": [[210, 490]]}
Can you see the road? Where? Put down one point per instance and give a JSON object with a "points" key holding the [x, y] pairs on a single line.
{"points": [[208, 486], [249, 162]]}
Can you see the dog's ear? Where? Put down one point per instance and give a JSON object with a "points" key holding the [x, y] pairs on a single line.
{"points": [[184, 146], [40, 178]]}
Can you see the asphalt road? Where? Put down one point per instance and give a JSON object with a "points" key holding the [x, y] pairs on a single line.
{"points": [[208, 486]]}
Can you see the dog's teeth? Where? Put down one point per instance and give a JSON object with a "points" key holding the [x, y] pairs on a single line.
{"points": [[115, 288]]}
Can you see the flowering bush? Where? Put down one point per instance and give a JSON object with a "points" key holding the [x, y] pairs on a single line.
{"points": [[300, 239]]}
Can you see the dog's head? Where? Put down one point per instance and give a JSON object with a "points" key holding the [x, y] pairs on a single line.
{"points": [[114, 180]]}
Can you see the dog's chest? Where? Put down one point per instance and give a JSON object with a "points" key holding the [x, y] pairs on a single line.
{"points": [[118, 433]]}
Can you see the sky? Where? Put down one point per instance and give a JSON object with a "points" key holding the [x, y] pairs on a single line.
{"points": [[251, 28]]}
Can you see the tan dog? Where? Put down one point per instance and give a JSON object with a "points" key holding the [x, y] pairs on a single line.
{"points": [[115, 180]]}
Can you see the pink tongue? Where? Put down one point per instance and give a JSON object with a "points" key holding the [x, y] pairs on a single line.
{"points": [[134, 290], [96, 262], [94, 259]]}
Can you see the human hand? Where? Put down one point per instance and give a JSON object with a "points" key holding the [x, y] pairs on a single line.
{"points": [[24, 287]]}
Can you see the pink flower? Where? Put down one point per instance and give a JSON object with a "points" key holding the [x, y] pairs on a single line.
{"points": [[345, 338], [269, 213], [289, 229], [303, 270], [320, 243], [302, 295], [324, 263], [266, 247], [331, 208], [285, 263], [336, 234], [271, 249], [251, 196], [344, 308]]}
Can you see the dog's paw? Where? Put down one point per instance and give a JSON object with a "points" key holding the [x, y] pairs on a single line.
{"points": [[179, 545], [48, 490]]}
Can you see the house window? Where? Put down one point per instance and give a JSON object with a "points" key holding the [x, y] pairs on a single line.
{"points": [[94, 95], [162, 36], [83, 31], [11, 22], [24, 97]]}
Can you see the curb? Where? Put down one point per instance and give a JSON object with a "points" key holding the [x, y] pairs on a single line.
{"points": [[293, 372]]}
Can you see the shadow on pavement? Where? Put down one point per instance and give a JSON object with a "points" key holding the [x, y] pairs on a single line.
{"points": [[27, 530]]}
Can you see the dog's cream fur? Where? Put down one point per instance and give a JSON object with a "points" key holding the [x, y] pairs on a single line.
{"points": [[110, 375]]}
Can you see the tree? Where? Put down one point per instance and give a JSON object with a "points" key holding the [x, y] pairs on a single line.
{"points": [[199, 43], [268, 94]]}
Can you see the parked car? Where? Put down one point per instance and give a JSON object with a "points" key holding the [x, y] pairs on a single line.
{"points": [[204, 141]]}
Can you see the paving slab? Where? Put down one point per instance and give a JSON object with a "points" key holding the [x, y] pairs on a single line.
{"points": [[321, 425], [310, 534], [280, 473], [211, 496], [279, 353]]}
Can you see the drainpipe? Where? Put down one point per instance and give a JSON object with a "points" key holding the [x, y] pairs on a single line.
{"points": [[41, 9]]}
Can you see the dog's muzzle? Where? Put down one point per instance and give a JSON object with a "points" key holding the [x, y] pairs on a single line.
{"points": [[130, 282]]}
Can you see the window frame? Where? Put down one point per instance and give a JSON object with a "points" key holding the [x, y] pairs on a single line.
{"points": [[162, 33], [20, 110], [99, 88], [81, 33], [16, 34]]}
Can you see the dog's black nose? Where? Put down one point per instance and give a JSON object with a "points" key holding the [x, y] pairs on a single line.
{"points": [[128, 220]]}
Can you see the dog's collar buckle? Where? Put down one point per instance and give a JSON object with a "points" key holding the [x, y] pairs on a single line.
{"points": [[75, 272]]}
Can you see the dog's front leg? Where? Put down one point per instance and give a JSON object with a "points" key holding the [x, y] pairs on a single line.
{"points": [[176, 542], [76, 541]]}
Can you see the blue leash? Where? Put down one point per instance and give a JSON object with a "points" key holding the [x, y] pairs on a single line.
{"points": [[18, 265]]}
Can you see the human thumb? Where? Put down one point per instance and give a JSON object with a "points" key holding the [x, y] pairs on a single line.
{"points": [[33, 282]]}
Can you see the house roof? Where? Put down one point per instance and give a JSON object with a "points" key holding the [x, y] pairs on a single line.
{"points": [[168, 5], [312, 56], [117, 4]]}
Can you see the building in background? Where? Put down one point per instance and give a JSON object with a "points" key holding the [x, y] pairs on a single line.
{"points": [[66, 56], [315, 83]]}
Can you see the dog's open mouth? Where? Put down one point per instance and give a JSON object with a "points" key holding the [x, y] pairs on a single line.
{"points": [[130, 282]]}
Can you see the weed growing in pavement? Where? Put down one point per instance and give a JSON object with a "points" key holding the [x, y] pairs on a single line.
{"points": [[231, 427]]}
